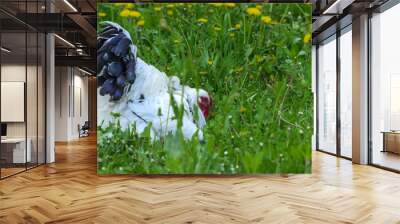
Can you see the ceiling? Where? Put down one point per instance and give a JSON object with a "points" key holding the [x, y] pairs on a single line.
{"points": [[74, 22]]}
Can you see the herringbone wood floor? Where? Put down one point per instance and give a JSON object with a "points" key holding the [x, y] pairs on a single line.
{"points": [[69, 191]]}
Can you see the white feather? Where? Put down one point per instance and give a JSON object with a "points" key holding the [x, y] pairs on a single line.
{"points": [[148, 101]]}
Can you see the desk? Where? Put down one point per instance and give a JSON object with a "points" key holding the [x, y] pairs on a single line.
{"points": [[15, 148], [391, 141]]}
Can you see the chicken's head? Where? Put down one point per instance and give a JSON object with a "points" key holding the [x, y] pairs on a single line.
{"points": [[205, 102]]}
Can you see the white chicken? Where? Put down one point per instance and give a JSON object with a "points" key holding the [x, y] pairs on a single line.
{"points": [[141, 94]]}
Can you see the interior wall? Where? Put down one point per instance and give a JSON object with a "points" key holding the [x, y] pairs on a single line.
{"points": [[15, 72], [71, 102]]}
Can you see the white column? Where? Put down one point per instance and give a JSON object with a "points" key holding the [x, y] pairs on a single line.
{"points": [[50, 101], [360, 90]]}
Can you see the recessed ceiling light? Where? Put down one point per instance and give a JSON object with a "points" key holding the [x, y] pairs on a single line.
{"points": [[84, 71], [5, 50], [64, 40], [70, 5]]}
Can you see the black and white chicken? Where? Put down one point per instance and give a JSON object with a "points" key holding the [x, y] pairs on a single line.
{"points": [[142, 94]]}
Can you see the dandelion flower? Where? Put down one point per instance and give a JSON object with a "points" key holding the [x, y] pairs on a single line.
{"points": [[140, 22], [216, 4], [266, 19], [128, 5], [202, 20], [210, 62], [253, 11], [102, 14], [157, 9], [230, 5], [239, 69], [237, 26], [170, 12], [307, 38], [134, 14], [124, 13]]}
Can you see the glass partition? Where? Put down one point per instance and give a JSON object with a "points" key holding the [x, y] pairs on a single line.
{"points": [[22, 77], [14, 153]]}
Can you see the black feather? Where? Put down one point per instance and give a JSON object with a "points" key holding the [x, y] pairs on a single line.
{"points": [[116, 60]]}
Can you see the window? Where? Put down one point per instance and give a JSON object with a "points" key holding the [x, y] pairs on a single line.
{"points": [[346, 92], [327, 95], [385, 89]]}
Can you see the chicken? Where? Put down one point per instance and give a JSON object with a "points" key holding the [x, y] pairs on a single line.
{"points": [[141, 94]]}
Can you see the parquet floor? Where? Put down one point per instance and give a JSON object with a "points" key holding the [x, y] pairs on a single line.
{"points": [[69, 191]]}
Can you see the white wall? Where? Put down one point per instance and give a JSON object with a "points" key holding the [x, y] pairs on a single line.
{"points": [[71, 102]]}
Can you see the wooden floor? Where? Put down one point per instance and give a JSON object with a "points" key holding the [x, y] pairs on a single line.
{"points": [[69, 191]]}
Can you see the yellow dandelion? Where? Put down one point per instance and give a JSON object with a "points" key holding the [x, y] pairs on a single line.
{"points": [[140, 22], [253, 11], [237, 26], [239, 69], [216, 4], [134, 14], [266, 19], [259, 58], [210, 62], [102, 14], [229, 5], [242, 109], [157, 9], [128, 5], [124, 13], [170, 6], [232, 35], [202, 20], [170, 12], [307, 38]]}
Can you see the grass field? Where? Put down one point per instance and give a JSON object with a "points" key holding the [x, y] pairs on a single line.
{"points": [[254, 60]]}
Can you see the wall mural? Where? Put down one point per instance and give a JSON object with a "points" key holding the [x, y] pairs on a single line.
{"points": [[219, 88]]}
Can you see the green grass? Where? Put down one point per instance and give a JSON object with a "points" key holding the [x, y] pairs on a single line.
{"points": [[259, 76]]}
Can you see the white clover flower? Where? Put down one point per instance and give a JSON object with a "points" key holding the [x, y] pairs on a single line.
{"points": [[226, 152], [230, 117], [251, 138], [261, 144]]}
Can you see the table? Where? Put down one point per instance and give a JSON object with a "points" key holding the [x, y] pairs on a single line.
{"points": [[391, 141], [13, 150]]}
